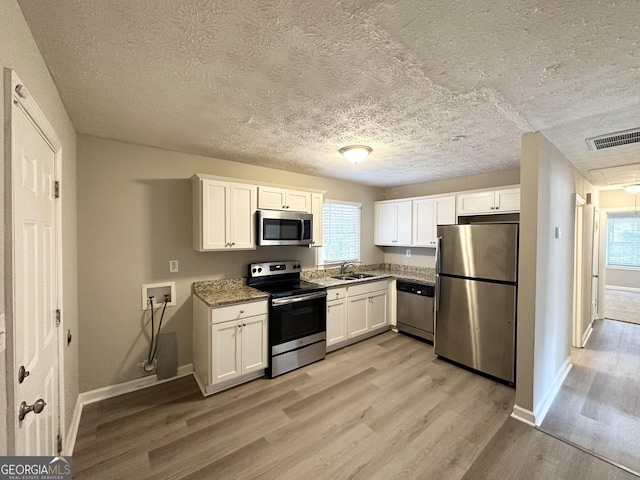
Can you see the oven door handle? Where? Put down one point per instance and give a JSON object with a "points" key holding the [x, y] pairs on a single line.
{"points": [[298, 298]]}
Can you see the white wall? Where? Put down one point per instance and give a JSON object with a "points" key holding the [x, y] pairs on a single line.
{"points": [[18, 51], [134, 215], [545, 302]]}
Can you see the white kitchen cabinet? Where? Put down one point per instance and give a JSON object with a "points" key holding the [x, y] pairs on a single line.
{"points": [[317, 200], [336, 316], [489, 202], [367, 308], [392, 223], [428, 213], [229, 343], [273, 198], [223, 215]]}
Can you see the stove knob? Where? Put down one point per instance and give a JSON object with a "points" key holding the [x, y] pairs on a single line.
{"points": [[260, 270], [253, 270]]}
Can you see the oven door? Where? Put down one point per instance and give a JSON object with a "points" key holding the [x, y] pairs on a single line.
{"points": [[297, 321], [284, 228]]}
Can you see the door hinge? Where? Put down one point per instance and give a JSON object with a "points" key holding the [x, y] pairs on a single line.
{"points": [[56, 189], [59, 446], [57, 317]]}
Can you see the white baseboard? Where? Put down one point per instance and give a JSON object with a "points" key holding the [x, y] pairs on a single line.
{"points": [[623, 289], [111, 391], [103, 393], [587, 334], [72, 432], [547, 399], [523, 415]]}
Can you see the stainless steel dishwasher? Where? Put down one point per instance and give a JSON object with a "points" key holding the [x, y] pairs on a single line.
{"points": [[415, 309]]}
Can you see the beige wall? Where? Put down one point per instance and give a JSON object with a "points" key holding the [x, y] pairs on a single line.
{"points": [[486, 180], [19, 52], [134, 215], [545, 302]]}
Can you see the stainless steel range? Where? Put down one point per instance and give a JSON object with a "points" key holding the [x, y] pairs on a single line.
{"points": [[297, 315]]}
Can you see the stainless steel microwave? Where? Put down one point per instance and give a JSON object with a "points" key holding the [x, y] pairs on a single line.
{"points": [[284, 228]]}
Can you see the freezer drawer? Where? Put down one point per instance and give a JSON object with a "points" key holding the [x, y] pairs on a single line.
{"points": [[475, 325]]}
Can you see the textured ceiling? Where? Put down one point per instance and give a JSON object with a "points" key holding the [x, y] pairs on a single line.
{"points": [[285, 84]]}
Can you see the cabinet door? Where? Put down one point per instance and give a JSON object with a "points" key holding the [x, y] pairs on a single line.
{"points": [[445, 212], [225, 351], [317, 200], [377, 309], [242, 207], [271, 198], [403, 223], [297, 201], [336, 322], [385, 223], [357, 315], [507, 200], [471, 203], [215, 221], [254, 343], [423, 222]]}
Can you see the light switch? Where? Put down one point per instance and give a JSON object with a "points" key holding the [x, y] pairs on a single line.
{"points": [[558, 232]]}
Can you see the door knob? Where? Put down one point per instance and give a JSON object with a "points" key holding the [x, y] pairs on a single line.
{"points": [[22, 374], [36, 408]]}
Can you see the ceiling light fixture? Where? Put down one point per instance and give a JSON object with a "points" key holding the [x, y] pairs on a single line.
{"points": [[633, 188], [355, 153]]}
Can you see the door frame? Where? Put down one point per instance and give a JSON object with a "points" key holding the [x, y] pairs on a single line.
{"points": [[577, 271], [15, 93]]}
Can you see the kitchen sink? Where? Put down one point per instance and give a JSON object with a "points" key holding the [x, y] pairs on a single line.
{"points": [[353, 276]]}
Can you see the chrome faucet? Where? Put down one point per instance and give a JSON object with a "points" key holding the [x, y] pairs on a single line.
{"points": [[345, 265]]}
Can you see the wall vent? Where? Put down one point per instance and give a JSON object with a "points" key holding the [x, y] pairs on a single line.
{"points": [[614, 139]]}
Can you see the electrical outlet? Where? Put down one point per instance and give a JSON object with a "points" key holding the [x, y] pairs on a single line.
{"points": [[173, 266], [158, 292], [408, 252]]}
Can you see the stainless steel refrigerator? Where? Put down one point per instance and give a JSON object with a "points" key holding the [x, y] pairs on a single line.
{"points": [[476, 295]]}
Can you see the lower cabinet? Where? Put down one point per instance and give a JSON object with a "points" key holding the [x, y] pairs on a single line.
{"points": [[229, 343], [355, 312]]}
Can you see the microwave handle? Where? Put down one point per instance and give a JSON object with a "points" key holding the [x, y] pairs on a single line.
{"points": [[302, 231]]}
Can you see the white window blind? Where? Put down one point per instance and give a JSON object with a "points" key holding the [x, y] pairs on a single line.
{"points": [[623, 241], [340, 233]]}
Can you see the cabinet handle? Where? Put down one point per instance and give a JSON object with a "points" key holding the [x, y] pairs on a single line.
{"points": [[497, 208], [241, 311], [244, 324], [233, 244]]}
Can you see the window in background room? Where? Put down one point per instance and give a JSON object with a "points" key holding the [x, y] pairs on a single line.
{"points": [[623, 240], [340, 232]]}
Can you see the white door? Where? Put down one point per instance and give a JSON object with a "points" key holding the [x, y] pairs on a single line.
{"points": [[357, 315], [254, 343], [423, 222], [241, 215], [215, 215], [377, 311], [225, 351], [336, 331], [34, 288]]}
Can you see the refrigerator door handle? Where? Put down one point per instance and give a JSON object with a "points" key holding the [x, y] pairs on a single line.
{"points": [[437, 300]]}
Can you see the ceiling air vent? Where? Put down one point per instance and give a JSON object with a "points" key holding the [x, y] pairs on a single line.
{"points": [[614, 139]]}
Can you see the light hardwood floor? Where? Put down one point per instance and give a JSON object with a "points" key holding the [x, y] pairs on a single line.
{"points": [[598, 406], [385, 408]]}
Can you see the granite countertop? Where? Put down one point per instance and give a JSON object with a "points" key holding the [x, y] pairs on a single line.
{"points": [[325, 278], [219, 293]]}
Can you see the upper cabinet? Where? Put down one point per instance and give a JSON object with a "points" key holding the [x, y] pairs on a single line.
{"points": [[489, 202], [223, 215], [428, 213], [392, 223], [272, 198], [317, 200]]}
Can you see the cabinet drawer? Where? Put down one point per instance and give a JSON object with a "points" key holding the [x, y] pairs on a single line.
{"points": [[336, 293], [367, 287], [240, 310]]}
